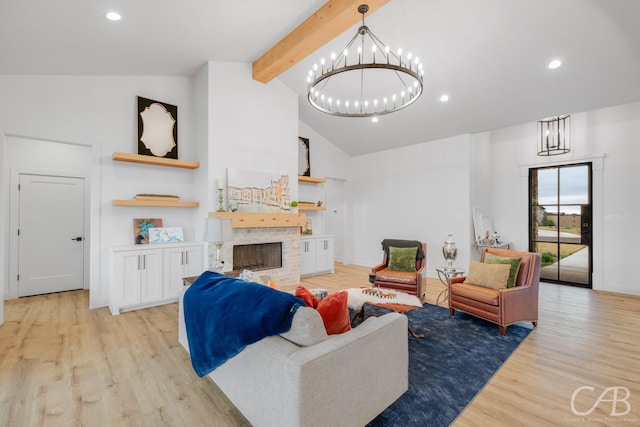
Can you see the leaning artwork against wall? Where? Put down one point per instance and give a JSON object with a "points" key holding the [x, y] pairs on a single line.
{"points": [[141, 228], [255, 191]]}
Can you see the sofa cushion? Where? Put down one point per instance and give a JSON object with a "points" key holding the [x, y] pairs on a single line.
{"points": [[475, 293], [307, 296], [405, 277], [514, 262], [307, 328], [402, 259], [494, 276], [335, 313]]}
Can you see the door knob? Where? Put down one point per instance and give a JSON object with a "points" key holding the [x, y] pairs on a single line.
{"points": [[78, 239]]}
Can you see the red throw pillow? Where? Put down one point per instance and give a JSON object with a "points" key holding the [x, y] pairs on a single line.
{"points": [[335, 313], [307, 296]]}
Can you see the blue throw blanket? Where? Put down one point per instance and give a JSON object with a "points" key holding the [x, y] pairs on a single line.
{"points": [[223, 315]]}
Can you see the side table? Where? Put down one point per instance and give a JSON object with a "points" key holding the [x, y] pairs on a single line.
{"points": [[187, 281], [445, 274]]}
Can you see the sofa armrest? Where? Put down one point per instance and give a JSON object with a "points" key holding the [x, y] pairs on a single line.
{"points": [[379, 267], [459, 279], [353, 376], [519, 303]]}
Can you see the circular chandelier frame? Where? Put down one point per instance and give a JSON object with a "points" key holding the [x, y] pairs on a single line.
{"points": [[408, 72]]}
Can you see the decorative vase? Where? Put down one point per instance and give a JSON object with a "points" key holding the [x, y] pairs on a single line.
{"points": [[450, 252]]}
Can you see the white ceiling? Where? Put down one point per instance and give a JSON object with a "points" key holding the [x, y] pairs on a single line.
{"points": [[490, 56]]}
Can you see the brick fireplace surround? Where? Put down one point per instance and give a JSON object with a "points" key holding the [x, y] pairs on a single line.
{"points": [[266, 228]]}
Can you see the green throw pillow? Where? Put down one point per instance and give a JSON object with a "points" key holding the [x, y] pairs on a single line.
{"points": [[514, 262], [402, 259]]}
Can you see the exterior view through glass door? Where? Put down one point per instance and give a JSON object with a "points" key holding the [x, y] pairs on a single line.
{"points": [[560, 222]]}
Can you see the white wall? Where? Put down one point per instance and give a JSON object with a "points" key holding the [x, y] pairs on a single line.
{"points": [[251, 126], [225, 119], [424, 191], [420, 192], [327, 161], [607, 137]]}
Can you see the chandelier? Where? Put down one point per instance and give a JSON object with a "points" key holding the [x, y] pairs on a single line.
{"points": [[554, 135], [371, 80]]}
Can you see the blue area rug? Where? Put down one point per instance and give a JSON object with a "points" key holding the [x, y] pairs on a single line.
{"points": [[448, 367]]}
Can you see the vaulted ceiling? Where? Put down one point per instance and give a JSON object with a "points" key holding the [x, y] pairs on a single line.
{"points": [[489, 56]]}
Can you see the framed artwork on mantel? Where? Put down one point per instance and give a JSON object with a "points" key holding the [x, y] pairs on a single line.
{"points": [[257, 191], [157, 128]]}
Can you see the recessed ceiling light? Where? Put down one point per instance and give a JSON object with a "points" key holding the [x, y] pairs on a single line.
{"points": [[554, 64], [113, 16], [444, 98], [374, 119]]}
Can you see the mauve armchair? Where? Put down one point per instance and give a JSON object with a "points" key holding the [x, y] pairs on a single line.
{"points": [[501, 306]]}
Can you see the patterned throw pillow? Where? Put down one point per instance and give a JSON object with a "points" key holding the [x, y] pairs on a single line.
{"points": [[251, 276], [320, 293], [513, 262], [492, 276], [402, 259]]}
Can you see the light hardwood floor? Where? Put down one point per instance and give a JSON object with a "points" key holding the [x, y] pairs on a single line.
{"points": [[62, 364]]}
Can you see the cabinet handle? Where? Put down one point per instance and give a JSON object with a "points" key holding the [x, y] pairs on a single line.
{"points": [[139, 261], [186, 257], [144, 262]]}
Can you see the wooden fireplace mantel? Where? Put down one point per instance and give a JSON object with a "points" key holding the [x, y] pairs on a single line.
{"points": [[262, 220]]}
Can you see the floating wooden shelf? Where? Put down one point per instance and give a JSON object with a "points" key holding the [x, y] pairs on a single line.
{"points": [[262, 220], [303, 207], [311, 179], [166, 203], [151, 160]]}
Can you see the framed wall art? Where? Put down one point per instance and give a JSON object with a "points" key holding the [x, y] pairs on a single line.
{"points": [[304, 163], [157, 128], [141, 227], [166, 235]]}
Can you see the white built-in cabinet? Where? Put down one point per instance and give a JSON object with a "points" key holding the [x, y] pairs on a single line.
{"points": [[316, 255], [148, 275]]}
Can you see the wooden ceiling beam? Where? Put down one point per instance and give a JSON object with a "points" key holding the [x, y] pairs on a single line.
{"points": [[332, 19]]}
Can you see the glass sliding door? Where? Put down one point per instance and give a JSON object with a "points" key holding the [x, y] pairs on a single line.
{"points": [[560, 222]]}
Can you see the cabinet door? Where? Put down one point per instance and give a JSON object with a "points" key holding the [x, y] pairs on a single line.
{"points": [[151, 289], [324, 255], [307, 256], [193, 266], [178, 263], [174, 260], [127, 279]]}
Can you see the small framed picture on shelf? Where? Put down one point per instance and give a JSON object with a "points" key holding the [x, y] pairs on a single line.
{"points": [[141, 227], [307, 229], [166, 235]]}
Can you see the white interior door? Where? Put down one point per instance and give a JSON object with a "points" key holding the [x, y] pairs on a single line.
{"points": [[334, 218], [51, 234]]}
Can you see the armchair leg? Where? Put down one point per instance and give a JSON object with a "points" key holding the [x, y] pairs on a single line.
{"points": [[503, 330], [535, 324], [452, 311]]}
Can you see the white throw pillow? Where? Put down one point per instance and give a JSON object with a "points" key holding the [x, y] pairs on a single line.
{"points": [[307, 328]]}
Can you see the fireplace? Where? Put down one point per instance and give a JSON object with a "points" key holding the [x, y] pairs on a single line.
{"points": [[257, 256]]}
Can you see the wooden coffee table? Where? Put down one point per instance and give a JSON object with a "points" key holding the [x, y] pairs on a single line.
{"points": [[398, 308]]}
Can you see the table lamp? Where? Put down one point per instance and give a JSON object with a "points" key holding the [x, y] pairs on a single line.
{"points": [[218, 231]]}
